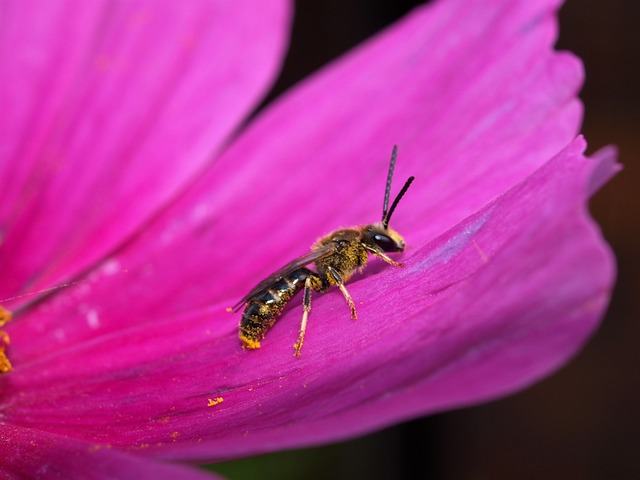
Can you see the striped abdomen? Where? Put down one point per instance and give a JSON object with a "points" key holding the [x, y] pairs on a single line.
{"points": [[262, 310]]}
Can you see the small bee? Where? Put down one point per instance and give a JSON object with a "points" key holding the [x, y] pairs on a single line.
{"points": [[336, 257]]}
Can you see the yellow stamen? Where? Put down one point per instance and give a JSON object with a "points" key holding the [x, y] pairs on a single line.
{"points": [[5, 316], [5, 364]]}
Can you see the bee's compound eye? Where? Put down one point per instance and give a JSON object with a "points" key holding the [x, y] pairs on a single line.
{"points": [[386, 243]]}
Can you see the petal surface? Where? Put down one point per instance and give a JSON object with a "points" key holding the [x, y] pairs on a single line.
{"points": [[109, 109], [317, 159], [493, 304], [506, 277], [54, 457]]}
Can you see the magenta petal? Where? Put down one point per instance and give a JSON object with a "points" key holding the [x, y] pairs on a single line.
{"points": [[41, 455], [503, 298], [505, 278], [472, 93], [109, 109]]}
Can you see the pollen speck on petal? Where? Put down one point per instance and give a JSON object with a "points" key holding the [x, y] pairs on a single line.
{"points": [[212, 402]]}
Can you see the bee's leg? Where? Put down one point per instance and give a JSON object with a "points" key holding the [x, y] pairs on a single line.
{"points": [[340, 284], [312, 282], [385, 257], [347, 297]]}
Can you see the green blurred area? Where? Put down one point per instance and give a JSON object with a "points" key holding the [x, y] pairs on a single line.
{"points": [[310, 464]]}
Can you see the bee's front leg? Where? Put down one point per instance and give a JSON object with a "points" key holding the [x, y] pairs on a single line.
{"points": [[384, 256]]}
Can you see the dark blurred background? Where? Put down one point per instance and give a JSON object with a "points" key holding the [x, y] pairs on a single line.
{"points": [[584, 421]]}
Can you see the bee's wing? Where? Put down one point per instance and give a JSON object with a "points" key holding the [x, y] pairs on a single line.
{"points": [[285, 271]]}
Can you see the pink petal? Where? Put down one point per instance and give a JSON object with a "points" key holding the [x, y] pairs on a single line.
{"points": [[499, 288], [298, 173], [109, 110], [489, 307], [42, 455]]}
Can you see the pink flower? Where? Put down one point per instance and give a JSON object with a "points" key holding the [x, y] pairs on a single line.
{"points": [[127, 179]]}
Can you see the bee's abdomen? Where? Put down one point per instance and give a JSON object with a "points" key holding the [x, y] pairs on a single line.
{"points": [[262, 310]]}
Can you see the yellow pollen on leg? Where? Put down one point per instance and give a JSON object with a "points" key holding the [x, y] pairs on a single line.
{"points": [[5, 364]]}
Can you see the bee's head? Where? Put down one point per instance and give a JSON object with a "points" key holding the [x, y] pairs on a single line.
{"points": [[377, 235]]}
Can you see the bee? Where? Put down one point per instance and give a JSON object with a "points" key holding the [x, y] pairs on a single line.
{"points": [[336, 257]]}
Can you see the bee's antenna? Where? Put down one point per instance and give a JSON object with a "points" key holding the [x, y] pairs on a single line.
{"points": [[387, 190], [386, 218], [386, 214]]}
